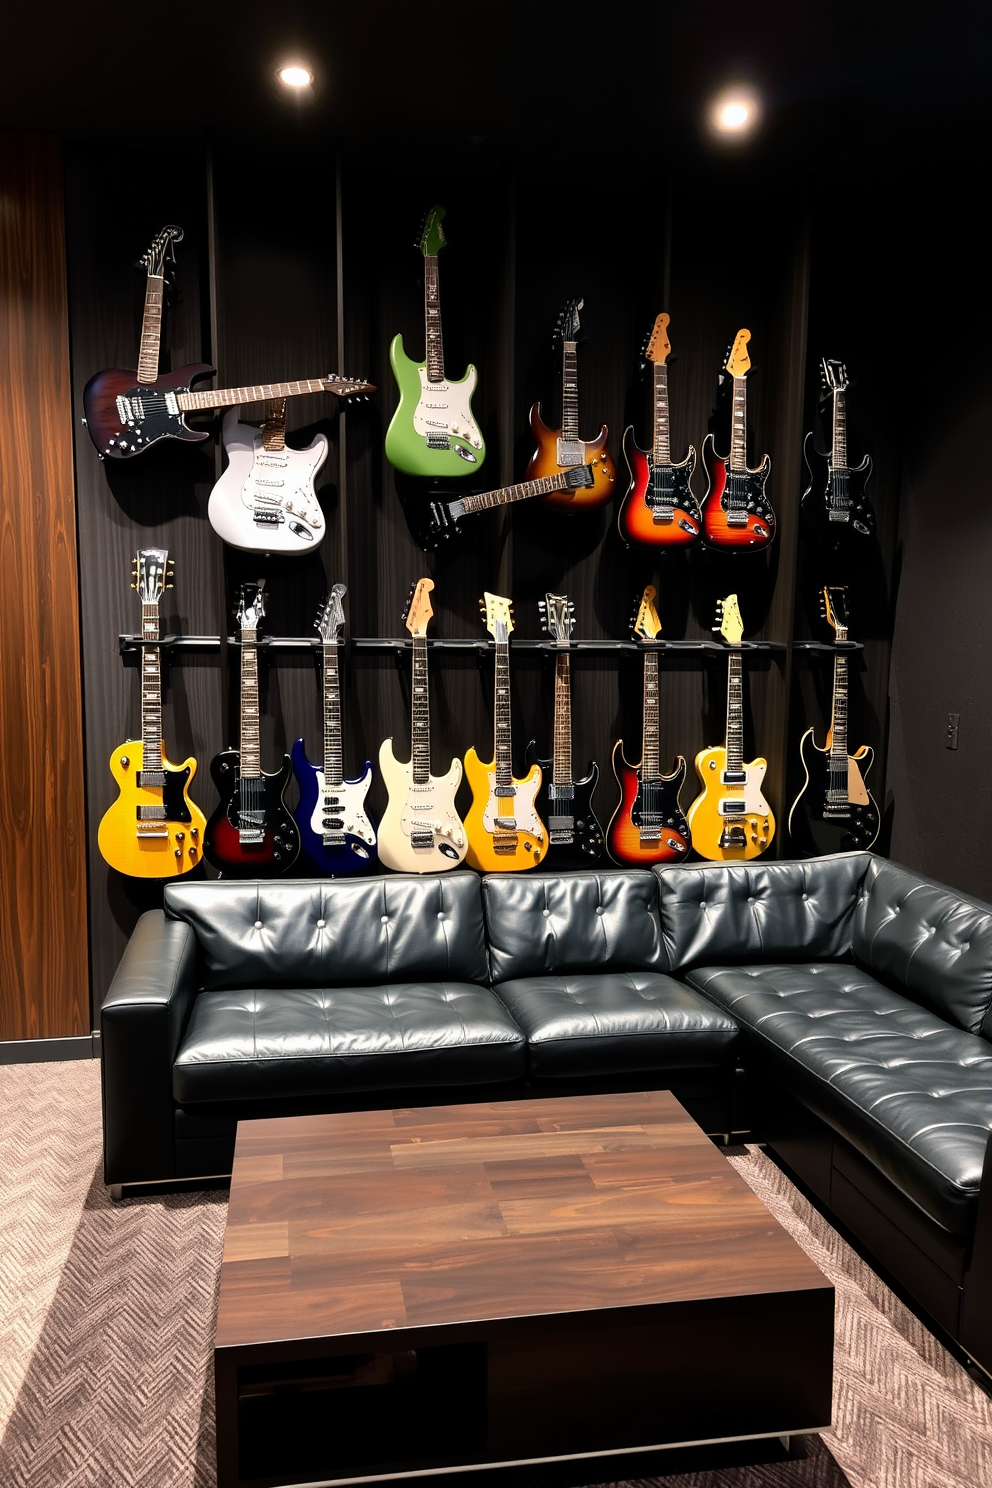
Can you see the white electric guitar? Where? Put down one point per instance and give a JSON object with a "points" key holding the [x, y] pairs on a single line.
{"points": [[420, 832], [265, 502]]}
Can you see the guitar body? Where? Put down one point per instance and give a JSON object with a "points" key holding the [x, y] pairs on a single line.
{"points": [[568, 811], [711, 826], [441, 411], [841, 827], [264, 502], [357, 853], [280, 844], [420, 831], [553, 454], [850, 513], [490, 849], [745, 489], [654, 804], [659, 508], [125, 417], [179, 846]]}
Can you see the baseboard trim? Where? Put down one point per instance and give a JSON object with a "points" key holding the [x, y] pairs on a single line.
{"points": [[39, 1051]]}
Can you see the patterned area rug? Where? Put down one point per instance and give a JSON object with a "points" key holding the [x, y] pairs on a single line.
{"points": [[106, 1319]]}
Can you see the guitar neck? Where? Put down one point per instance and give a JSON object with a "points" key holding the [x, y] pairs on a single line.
{"points": [[523, 491], [333, 742], [662, 447], [432, 320], [251, 755], [503, 748], [420, 709], [838, 452], [151, 329], [838, 713], [569, 392], [259, 393], [738, 436], [735, 712], [151, 691], [562, 762], [650, 738]]}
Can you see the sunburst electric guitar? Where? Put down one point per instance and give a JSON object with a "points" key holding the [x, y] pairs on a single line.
{"points": [[337, 835], [433, 431], [153, 829], [503, 827], [731, 819], [562, 449], [648, 825], [835, 504], [659, 508], [420, 831], [834, 811], [736, 511], [265, 501]]}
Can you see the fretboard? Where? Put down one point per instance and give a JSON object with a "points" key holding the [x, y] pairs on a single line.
{"points": [[569, 392], [520, 492], [838, 715], [662, 447], [432, 320], [251, 756], [151, 329], [420, 709], [735, 712], [503, 751], [151, 691], [274, 428], [258, 393], [650, 740], [738, 433], [838, 455], [333, 742], [562, 763]]}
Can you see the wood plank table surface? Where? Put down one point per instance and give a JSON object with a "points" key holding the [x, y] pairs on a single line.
{"points": [[581, 1259]]}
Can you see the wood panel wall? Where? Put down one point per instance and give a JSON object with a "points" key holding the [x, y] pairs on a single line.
{"points": [[44, 983]]}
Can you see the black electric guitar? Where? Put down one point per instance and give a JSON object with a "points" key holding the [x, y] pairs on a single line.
{"points": [[834, 811], [835, 504], [564, 804], [443, 519], [251, 834]]}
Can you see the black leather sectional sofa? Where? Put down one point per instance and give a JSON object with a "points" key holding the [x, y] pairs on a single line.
{"points": [[850, 999]]}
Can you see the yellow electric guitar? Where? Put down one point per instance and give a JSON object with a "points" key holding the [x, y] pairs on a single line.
{"points": [[153, 829], [730, 819], [503, 827]]}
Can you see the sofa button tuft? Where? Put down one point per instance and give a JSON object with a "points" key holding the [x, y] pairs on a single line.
{"points": [[320, 924], [599, 909], [440, 914], [258, 924], [805, 898], [546, 913], [383, 919]]}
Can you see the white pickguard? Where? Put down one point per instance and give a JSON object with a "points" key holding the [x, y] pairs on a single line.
{"points": [[428, 808], [446, 408], [351, 795], [277, 484], [519, 806], [754, 802]]}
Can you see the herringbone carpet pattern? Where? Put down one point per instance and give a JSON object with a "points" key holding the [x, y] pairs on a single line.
{"points": [[106, 1319]]}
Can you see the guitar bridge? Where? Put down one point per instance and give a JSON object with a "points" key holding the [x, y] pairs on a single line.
{"points": [[421, 839], [267, 517], [146, 829], [505, 844], [734, 836], [438, 441]]}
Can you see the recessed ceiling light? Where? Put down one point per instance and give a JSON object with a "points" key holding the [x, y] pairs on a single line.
{"points": [[735, 113], [295, 75]]}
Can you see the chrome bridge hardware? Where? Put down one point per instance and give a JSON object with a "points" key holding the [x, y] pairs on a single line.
{"points": [[733, 836], [420, 838], [145, 829], [504, 844]]}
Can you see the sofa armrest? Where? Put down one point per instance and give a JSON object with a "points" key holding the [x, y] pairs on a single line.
{"points": [[975, 1328], [141, 1022]]}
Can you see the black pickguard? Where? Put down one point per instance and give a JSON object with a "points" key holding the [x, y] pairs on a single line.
{"points": [[744, 490], [589, 844], [811, 828], [173, 794], [670, 486], [842, 492]]}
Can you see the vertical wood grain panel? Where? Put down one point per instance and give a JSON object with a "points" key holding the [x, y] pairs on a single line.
{"points": [[44, 989]]}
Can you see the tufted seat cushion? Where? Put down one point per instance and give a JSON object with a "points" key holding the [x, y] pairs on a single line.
{"points": [[613, 1022], [910, 1093], [304, 1041]]}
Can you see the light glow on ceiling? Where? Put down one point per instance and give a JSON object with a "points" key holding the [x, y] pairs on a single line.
{"points": [[295, 75], [734, 114]]}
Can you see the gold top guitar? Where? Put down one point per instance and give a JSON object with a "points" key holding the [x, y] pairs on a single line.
{"points": [[562, 449], [504, 829], [731, 820], [420, 832], [153, 829]]}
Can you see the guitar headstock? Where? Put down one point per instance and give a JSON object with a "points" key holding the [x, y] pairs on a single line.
{"points": [[728, 620], [151, 574], [419, 611], [330, 617], [833, 603], [498, 615], [251, 605], [738, 363], [161, 252], [658, 348], [833, 375], [557, 617], [568, 325], [646, 624], [348, 389], [431, 239]]}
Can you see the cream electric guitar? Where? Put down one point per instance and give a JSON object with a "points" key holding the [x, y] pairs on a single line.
{"points": [[265, 502], [731, 820], [420, 832]]}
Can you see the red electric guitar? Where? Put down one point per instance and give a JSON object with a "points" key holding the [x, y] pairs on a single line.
{"points": [[736, 511], [659, 507]]}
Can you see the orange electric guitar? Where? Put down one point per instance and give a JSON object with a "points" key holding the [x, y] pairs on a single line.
{"points": [[562, 449], [659, 507], [736, 511]]}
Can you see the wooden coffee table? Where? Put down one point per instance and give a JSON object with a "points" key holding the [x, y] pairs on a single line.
{"points": [[481, 1285]]}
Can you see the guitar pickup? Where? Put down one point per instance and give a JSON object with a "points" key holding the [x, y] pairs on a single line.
{"points": [[333, 823], [732, 808], [561, 823], [150, 778], [505, 823], [734, 777], [151, 813]]}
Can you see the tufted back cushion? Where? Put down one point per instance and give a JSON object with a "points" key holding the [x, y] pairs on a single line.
{"points": [[318, 932], [931, 942], [540, 923], [716, 913]]}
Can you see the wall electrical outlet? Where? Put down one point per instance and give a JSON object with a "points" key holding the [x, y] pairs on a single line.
{"points": [[951, 732]]}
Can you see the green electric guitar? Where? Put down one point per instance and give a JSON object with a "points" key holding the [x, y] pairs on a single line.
{"points": [[433, 431]]}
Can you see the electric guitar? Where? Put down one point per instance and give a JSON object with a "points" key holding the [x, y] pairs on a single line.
{"points": [[433, 431], [504, 830], [336, 832], [736, 511], [562, 449], [441, 520], [575, 838], [265, 501], [834, 504], [420, 832], [834, 811], [251, 834], [731, 819], [659, 507], [648, 825], [153, 829]]}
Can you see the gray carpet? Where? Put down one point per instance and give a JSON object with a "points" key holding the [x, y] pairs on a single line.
{"points": [[106, 1319]]}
